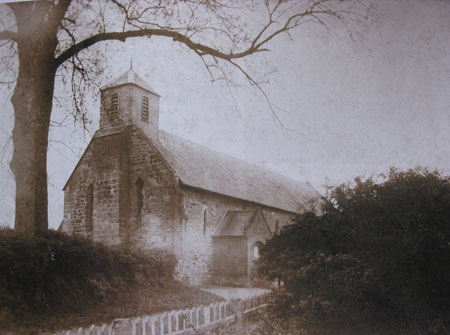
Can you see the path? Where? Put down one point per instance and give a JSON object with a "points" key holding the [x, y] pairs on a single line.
{"points": [[235, 292]]}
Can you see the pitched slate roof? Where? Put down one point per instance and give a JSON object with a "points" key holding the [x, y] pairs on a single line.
{"points": [[234, 223], [210, 170], [130, 77]]}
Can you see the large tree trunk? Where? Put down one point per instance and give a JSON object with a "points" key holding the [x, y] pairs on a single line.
{"points": [[32, 102]]}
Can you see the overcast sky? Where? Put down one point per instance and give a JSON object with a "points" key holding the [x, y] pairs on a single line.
{"points": [[356, 106]]}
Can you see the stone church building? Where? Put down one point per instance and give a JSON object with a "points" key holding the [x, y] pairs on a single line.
{"points": [[140, 186]]}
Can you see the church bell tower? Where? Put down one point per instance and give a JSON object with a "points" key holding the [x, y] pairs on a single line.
{"points": [[129, 100]]}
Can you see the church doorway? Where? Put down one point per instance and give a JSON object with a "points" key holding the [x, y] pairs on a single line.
{"points": [[255, 254], [237, 243], [256, 250]]}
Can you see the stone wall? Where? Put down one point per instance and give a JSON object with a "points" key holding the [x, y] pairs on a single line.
{"points": [[159, 214], [103, 173], [175, 217], [202, 212], [113, 164], [136, 198]]}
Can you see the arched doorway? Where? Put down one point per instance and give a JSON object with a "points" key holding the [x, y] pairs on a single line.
{"points": [[256, 250], [254, 256]]}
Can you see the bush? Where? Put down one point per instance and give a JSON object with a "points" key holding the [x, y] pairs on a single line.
{"points": [[59, 274], [376, 261]]}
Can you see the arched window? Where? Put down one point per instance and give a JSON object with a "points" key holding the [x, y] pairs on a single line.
{"points": [[140, 199], [204, 221], [89, 208]]}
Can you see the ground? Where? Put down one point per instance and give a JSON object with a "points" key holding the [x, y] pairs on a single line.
{"points": [[235, 292]]}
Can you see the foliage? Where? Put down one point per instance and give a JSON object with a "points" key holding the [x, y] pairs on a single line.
{"points": [[376, 260], [53, 277]]}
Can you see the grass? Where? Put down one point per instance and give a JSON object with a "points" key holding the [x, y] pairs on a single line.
{"points": [[128, 304]]}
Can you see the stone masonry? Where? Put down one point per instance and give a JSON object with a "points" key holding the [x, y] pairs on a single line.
{"points": [[139, 186]]}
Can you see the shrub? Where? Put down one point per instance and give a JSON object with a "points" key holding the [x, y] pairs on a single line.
{"points": [[57, 273], [376, 261]]}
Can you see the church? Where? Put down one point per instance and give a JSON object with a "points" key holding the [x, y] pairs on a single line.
{"points": [[137, 185]]}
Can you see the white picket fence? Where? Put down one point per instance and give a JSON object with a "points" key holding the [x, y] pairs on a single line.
{"points": [[176, 322]]}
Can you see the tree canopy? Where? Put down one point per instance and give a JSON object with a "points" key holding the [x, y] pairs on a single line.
{"points": [[376, 260]]}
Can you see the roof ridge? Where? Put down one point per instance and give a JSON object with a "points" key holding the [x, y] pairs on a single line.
{"points": [[254, 165], [202, 167]]}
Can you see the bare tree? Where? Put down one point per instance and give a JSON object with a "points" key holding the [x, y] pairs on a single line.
{"points": [[51, 36]]}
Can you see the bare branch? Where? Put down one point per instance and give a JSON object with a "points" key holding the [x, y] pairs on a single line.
{"points": [[8, 35], [5, 148], [68, 147], [282, 17], [252, 81], [61, 9], [176, 36]]}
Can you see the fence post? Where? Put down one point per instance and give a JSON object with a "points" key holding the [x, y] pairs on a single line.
{"points": [[110, 329], [187, 319], [207, 314], [144, 325], [184, 319], [161, 324], [122, 327], [169, 322], [177, 325], [133, 326], [152, 325], [191, 318], [101, 330], [236, 307]]}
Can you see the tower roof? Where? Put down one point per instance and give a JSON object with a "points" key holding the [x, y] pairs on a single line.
{"points": [[130, 77]]}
